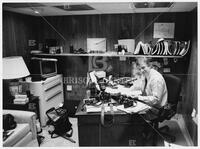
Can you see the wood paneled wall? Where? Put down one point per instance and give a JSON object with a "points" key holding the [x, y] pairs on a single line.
{"points": [[74, 30], [17, 30], [190, 98]]}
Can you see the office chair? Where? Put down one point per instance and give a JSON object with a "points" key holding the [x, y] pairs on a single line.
{"points": [[173, 84]]}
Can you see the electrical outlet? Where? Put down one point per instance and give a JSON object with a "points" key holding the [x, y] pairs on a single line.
{"points": [[69, 87]]}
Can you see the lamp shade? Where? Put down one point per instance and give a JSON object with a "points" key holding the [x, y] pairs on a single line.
{"points": [[14, 67]]}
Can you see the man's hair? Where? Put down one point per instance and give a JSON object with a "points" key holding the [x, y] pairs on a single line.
{"points": [[146, 60]]}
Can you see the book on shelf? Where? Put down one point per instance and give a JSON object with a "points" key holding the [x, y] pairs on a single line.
{"points": [[21, 96], [21, 100]]}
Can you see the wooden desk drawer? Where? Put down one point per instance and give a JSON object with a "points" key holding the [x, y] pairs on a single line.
{"points": [[123, 132]]}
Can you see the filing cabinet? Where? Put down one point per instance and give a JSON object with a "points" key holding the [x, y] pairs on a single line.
{"points": [[50, 92]]}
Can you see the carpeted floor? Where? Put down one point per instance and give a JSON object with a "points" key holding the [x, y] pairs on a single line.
{"points": [[61, 142], [175, 131]]}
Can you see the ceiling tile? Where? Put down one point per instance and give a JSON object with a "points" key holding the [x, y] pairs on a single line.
{"points": [[48, 9]]}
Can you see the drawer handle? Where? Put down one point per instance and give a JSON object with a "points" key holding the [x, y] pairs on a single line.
{"points": [[56, 94], [56, 84], [52, 79]]}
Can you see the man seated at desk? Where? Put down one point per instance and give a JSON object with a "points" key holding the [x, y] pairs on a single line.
{"points": [[151, 83], [155, 89]]}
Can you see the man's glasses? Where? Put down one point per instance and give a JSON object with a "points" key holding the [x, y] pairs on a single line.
{"points": [[141, 67]]}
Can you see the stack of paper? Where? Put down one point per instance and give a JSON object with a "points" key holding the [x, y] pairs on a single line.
{"points": [[138, 108], [21, 99], [123, 90], [90, 108]]}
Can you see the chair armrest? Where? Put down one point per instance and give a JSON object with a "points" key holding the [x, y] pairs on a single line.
{"points": [[24, 117], [20, 116]]}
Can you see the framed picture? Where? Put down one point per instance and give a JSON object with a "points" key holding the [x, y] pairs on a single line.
{"points": [[163, 30], [15, 88]]}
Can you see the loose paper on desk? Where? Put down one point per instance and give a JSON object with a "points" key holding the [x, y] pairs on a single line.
{"points": [[138, 108], [90, 108], [123, 90]]}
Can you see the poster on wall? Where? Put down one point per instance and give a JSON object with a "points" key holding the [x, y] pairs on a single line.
{"points": [[96, 45], [163, 30]]}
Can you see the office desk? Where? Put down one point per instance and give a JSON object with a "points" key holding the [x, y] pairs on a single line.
{"points": [[126, 129]]}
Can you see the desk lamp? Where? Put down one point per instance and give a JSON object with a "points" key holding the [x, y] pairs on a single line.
{"points": [[14, 68]]}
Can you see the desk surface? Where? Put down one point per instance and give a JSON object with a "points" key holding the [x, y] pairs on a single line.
{"points": [[81, 111]]}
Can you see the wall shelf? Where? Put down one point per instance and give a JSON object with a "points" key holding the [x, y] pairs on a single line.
{"points": [[107, 55]]}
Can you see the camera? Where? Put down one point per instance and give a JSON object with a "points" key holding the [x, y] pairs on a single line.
{"points": [[90, 101], [128, 103]]}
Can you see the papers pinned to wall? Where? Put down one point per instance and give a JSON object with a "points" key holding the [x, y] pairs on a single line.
{"points": [[163, 30]]}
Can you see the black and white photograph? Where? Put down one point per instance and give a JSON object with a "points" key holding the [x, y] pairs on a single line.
{"points": [[99, 73]]}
